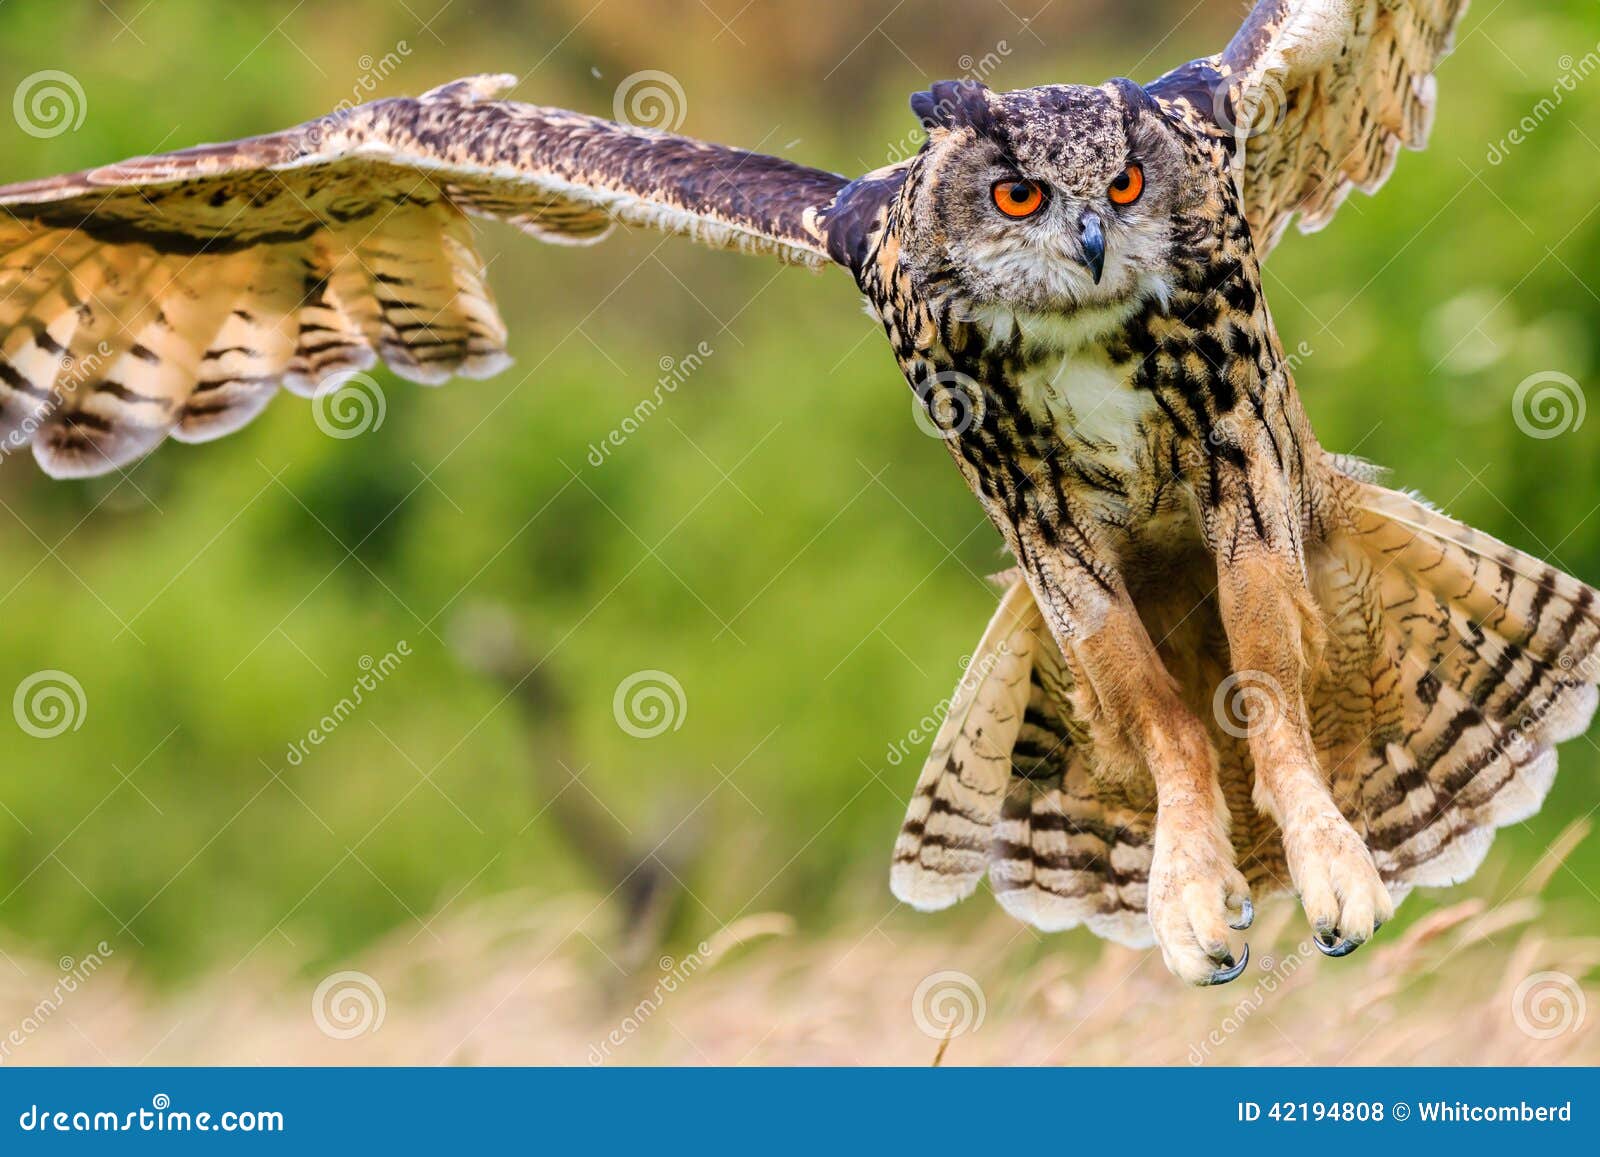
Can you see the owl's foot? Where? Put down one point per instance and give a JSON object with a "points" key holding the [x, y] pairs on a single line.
{"points": [[1340, 889], [1196, 896]]}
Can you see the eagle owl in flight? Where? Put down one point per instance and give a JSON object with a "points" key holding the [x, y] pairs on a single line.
{"points": [[1227, 662]]}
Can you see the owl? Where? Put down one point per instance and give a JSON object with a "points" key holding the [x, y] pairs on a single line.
{"points": [[1227, 663]]}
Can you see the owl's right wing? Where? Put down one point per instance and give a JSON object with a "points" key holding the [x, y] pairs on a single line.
{"points": [[175, 294], [1318, 96]]}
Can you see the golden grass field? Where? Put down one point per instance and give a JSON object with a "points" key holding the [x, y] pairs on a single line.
{"points": [[1472, 981]]}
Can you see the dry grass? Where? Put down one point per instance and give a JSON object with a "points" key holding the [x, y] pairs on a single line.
{"points": [[510, 982]]}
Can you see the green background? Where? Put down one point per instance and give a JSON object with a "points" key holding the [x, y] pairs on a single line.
{"points": [[779, 536]]}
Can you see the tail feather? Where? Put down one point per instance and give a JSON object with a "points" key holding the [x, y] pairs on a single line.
{"points": [[1070, 849], [1453, 666], [1009, 785], [944, 842], [1538, 608], [1492, 659]]}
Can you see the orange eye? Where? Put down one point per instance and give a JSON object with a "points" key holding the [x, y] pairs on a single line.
{"points": [[1019, 198], [1126, 188]]}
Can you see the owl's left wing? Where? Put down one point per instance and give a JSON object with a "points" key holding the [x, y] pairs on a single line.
{"points": [[1319, 96], [173, 295]]}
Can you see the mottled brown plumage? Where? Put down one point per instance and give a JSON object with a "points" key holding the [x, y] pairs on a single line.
{"points": [[1228, 662], [1135, 434]]}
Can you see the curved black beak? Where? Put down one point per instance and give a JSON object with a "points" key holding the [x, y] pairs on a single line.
{"points": [[1094, 243]]}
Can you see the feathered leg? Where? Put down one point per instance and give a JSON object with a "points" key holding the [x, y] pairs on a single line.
{"points": [[1274, 643], [1136, 715]]}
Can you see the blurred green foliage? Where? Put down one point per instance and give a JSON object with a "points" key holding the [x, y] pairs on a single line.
{"points": [[779, 536]]}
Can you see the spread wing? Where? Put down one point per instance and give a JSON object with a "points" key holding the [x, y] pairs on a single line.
{"points": [[175, 294], [1319, 96]]}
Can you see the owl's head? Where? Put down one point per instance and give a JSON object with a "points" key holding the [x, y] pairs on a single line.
{"points": [[1059, 199]]}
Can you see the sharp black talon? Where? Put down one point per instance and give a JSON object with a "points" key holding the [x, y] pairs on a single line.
{"points": [[1336, 948], [1231, 971], [1247, 916]]}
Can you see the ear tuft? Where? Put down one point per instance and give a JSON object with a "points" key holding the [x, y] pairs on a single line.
{"points": [[952, 104], [1136, 101], [1134, 95]]}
